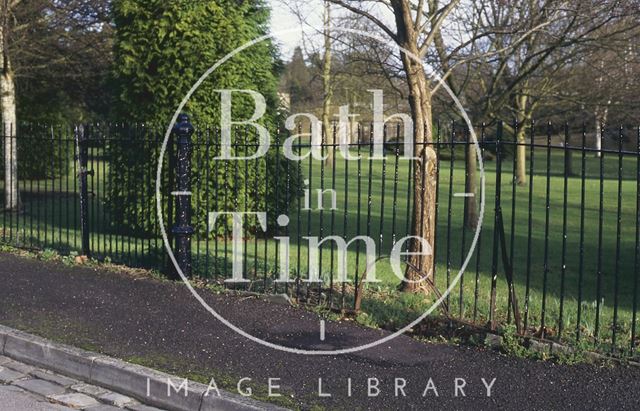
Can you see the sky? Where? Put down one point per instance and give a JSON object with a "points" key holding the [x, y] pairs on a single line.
{"points": [[282, 18]]}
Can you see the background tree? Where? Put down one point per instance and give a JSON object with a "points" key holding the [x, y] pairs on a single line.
{"points": [[416, 26], [327, 87], [516, 54], [297, 80], [47, 48], [604, 80]]}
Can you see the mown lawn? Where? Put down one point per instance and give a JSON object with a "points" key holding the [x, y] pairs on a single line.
{"points": [[529, 250]]}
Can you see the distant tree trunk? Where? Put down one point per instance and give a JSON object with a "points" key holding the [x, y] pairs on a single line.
{"points": [[601, 113], [8, 110], [521, 159], [601, 120], [523, 116], [598, 138], [327, 88]]}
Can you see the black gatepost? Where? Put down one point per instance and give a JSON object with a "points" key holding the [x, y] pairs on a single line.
{"points": [[182, 229]]}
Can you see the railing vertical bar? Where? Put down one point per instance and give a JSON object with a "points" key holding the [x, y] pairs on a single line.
{"points": [[543, 310], [298, 229], [207, 182], [156, 225], [478, 249], [583, 164], [256, 197], [287, 205], [236, 189], [225, 205], [46, 208], [4, 197], [321, 223], [126, 234], [514, 184], [76, 193], [409, 202], [358, 217], [12, 142], [600, 238], [395, 186], [114, 141], [245, 249], [22, 204], [265, 274], [369, 200], [616, 274], [346, 210], [382, 190], [309, 211], [332, 149], [131, 239], [216, 204], [494, 260], [438, 142], [136, 232], [33, 198], [196, 182], [452, 138], [466, 144], [99, 193], [150, 196], [527, 297], [636, 265], [565, 197], [105, 189], [19, 219]]}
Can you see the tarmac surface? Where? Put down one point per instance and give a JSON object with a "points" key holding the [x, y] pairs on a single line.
{"points": [[161, 325]]}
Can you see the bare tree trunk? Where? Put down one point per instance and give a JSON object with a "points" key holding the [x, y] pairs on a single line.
{"points": [[423, 222], [8, 110], [8, 105], [408, 34], [327, 88]]}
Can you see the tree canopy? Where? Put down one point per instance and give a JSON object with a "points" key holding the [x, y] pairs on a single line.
{"points": [[162, 48]]}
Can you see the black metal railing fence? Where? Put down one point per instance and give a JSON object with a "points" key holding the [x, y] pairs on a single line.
{"points": [[557, 253]]}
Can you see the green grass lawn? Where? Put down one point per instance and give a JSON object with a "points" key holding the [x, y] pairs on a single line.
{"points": [[371, 200]]}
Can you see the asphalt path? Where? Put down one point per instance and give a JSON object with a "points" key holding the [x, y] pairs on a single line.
{"points": [[161, 324]]}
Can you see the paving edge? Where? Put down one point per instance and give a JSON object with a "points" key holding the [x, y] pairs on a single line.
{"points": [[145, 384]]}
